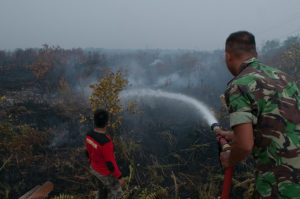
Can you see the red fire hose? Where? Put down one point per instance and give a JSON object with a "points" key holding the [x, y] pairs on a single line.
{"points": [[227, 183], [228, 171], [224, 146]]}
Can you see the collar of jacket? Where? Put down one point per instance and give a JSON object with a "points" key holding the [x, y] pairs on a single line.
{"points": [[246, 63]]}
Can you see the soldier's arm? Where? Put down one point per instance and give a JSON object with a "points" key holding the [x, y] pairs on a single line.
{"points": [[242, 143], [242, 117], [241, 147]]}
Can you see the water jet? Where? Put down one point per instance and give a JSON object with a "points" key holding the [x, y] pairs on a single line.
{"points": [[201, 108]]}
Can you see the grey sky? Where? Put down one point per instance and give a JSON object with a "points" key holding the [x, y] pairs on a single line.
{"points": [[139, 24]]}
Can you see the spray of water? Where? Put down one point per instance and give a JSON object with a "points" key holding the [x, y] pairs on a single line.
{"points": [[200, 107]]}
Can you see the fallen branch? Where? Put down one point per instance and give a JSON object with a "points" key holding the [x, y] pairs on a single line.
{"points": [[5, 163]]}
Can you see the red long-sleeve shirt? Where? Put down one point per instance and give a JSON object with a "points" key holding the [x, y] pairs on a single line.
{"points": [[100, 150]]}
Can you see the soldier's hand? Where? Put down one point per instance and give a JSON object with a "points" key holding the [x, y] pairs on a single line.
{"points": [[121, 181], [228, 135], [224, 157]]}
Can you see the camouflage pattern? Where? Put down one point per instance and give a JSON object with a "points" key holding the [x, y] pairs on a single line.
{"points": [[111, 184], [270, 100]]}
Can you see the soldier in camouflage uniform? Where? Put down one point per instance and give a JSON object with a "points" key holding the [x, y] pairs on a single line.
{"points": [[264, 108]]}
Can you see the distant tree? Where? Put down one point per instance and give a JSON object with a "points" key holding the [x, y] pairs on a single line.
{"points": [[270, 47], [291, 40], [49, 66], [2, 58], [31, 56], [65, 91], [44, 62], [22, 58], [291, 59]]}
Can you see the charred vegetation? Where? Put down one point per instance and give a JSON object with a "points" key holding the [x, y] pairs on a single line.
{"points": [[164, 149]]}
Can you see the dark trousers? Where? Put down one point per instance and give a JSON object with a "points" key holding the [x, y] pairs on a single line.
{"points": [[112, 186]]}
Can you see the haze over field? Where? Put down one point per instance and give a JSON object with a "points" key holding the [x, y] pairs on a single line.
{"points": [[158, 66], [140, 24]]}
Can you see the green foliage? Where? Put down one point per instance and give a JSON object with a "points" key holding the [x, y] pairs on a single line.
{"points": [[7, 133], [2, 99], [291, 60], [208, 190], [63, 196], [65, 91], [154, 192], [270, 47], [106, 96], [18, 146], [19, 142], [248, 185], [26, 141], [291, 40]]}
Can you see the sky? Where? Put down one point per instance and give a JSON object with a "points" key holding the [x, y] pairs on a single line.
{"points": [[143, 24]]}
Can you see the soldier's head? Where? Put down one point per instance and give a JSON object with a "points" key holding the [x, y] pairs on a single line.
{"points": [[239, 47], [101, 118]]}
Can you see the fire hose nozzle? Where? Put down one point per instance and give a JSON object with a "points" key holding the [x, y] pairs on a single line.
{"points": [[221, 140], [215, 126], [224, 146]]}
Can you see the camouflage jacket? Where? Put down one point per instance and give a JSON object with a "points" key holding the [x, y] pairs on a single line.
{"points": [[270, 100]]}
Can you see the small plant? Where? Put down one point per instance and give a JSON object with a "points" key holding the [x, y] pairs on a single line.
{"points": [[156, 192], [63, 196], [2, 99]]}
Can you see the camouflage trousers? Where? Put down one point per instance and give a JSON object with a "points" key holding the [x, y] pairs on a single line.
{"points": [[110, 183]]}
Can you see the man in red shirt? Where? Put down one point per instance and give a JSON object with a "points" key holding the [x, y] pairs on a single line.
{"points": [[100, 151]]}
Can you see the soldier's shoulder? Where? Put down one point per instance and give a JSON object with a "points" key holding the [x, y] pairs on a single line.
{"points": [[245, 79], [258, 71]]}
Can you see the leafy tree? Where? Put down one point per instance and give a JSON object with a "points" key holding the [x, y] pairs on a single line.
{"points": [[106, 96], [290, 40], [291, 59], [64, 91], [270, 47], [44, 62]]}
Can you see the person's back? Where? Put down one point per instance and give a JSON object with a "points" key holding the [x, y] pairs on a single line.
{"points": [[102, 161], [275, 110], [101, 157]]}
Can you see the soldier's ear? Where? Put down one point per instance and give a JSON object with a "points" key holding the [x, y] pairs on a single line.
{"points": [[230, 62], [228, 56]]}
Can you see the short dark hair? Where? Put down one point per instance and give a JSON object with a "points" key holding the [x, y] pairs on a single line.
{"points": [[101, 118], [241, 43]]}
